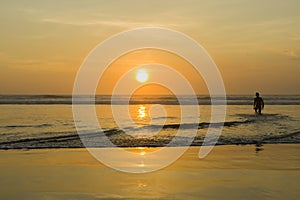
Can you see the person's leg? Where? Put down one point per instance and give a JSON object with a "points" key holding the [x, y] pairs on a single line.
{"points": [[259, 110]]}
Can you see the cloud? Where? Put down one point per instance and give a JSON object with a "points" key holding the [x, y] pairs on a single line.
{"points": [[99, 22], [291, 54], [33, 64], [296, 37], [80, 22]]}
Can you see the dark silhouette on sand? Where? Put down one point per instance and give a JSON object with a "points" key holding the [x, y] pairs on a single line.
{"points": [[258, 104]]}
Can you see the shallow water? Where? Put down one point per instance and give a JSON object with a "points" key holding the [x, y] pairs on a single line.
{"points": [[52, 126]]}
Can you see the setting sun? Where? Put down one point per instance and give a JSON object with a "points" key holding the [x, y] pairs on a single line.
{"points": [[142, 75]]}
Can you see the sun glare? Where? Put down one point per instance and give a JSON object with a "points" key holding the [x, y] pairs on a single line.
{"points": [[141, 111], [142, 76]]}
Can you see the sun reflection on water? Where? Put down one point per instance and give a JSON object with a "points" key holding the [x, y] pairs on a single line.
{"points": [[141, 165], [141, 112], [142, 184]]}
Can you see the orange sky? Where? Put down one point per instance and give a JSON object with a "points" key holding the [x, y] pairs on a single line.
{"points": [[256, 44], [150, 56]]}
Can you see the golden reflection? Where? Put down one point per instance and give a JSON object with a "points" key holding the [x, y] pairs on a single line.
{"points": [[142, 112], [141, 164], [142, 184], [142, 151]]}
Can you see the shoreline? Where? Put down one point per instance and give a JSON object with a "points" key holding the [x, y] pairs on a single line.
{"points": [[256, 144]]}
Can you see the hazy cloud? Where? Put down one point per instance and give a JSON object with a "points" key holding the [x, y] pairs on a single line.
{"points": [[291, 54]]}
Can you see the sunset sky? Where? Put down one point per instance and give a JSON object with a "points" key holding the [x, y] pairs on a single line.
{"points": [[255, 44]]}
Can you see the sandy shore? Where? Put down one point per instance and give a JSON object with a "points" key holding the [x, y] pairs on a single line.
{"points": [[229, 172]]}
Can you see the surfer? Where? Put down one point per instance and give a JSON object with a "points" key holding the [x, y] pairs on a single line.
{"points": [[258, 104]]}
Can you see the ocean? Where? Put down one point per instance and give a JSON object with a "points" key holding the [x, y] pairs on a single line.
{"points": [[46, 121]]}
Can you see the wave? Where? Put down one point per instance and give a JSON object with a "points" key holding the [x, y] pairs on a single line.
{"points": [[73, 141], [120, 138], [145, 99], [198, 125], [26, 126], [289, 138], [279, 138]]}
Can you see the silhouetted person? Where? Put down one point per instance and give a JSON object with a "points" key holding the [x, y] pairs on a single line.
{"points": [[258, 104]]}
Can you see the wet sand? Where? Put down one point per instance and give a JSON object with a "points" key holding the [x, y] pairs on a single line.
{"points": [[228, 172]]}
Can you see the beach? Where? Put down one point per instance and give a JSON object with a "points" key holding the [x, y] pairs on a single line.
{"points": [[228, 172], [42, 155], [142, 100]]}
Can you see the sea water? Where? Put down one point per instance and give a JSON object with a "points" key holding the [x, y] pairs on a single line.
{"points": [[46, 121]]}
